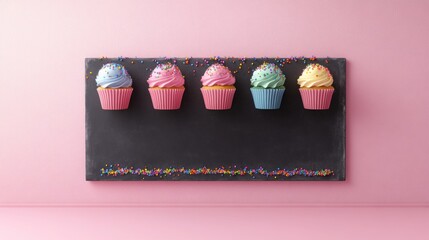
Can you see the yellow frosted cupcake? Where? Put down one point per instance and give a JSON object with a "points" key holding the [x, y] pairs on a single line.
{"points": [[316, 87]]}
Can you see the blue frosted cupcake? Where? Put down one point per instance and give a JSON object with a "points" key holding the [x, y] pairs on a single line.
{"points": [[114, 87], [267, 86]]}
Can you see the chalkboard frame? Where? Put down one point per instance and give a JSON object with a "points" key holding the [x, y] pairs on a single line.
{"points": [[99, 163]]}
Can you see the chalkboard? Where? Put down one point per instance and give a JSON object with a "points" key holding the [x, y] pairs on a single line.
{"points": [[193, 143]]}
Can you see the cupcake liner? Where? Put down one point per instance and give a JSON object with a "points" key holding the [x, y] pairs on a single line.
{"points": [[316, 99], [115, 98], [267, 98], [218, 99], [167, 98]]}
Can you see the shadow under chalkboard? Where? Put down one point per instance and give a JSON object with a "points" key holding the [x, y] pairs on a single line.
{"points": [[193, 143]]}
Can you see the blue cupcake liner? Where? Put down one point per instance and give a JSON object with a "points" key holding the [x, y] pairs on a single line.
{"points": [[267, 98]]}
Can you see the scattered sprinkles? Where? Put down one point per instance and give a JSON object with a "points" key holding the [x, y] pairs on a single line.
{"points": [[116, 170], [215, 69], [110, 71], [239, 64], [166, 68], [315, 66], [271, 67], [235, 64], [268, 66]]}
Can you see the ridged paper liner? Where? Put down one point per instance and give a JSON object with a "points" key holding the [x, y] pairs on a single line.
{"points": [[316, 99], [218, 99], [267, 98], [166, 99], [115, 99]]}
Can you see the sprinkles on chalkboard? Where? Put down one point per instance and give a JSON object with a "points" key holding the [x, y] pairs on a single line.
{"points": [[197, 66], [217, 59], [116, 171]]}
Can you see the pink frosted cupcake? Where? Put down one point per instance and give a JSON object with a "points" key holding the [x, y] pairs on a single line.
{"points": [[218, 87], [316, 87], [114, 87], [166, 87]]}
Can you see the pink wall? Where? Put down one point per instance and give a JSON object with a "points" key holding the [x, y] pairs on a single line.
{"points": [[42, 49]]}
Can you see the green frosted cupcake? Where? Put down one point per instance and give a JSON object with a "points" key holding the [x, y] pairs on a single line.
{"points": [[267, 86]]}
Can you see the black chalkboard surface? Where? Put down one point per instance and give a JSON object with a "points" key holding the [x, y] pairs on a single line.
{"points": [[193, 143]]}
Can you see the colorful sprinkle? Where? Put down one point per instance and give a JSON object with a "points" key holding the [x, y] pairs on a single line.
{"points": [[230, 171]]}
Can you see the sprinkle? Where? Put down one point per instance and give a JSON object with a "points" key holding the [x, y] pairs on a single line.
{"points": [[222, 171]]}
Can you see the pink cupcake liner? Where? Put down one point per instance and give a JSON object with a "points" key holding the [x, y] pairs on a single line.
{"points": [[115, 98], [218, 99], [316, 99], [166, 99]]}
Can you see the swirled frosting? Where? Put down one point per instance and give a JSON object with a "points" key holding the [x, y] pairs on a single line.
{"points": [[166, 75], [315, 75], [217, 75], [113, 75], [268, 75]]}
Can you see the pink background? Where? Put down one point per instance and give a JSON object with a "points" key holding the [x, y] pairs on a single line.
{"points": [[42, 49]]}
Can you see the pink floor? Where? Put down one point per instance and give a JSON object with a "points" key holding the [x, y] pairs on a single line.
{"points": [[215, 223]]}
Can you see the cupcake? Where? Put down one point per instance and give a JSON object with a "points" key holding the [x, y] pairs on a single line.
{"points": [[166, 87], [114, 87], [267, 86], [316, 87], [218, 87]]}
